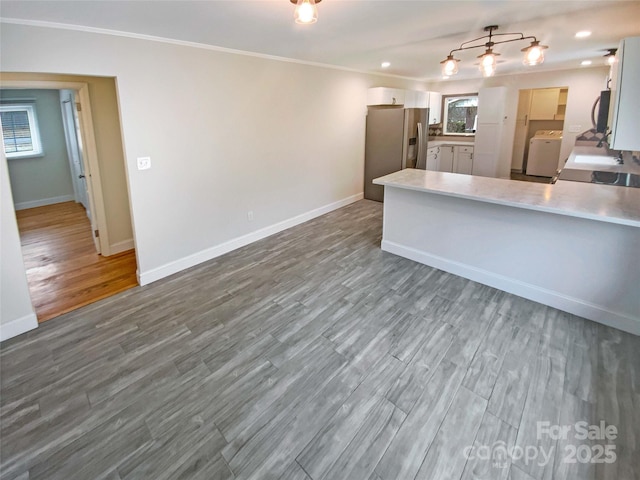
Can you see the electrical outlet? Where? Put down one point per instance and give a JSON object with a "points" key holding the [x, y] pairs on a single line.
{"points": [[575, 128], [144, 163], [250, 215]]}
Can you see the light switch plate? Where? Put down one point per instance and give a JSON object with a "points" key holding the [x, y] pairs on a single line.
{"points": [[575, 128], [144, 163]]}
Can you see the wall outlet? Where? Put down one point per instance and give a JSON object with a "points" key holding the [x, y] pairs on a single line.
{"points": [[250, 215], [575, 128], [144, 163]]}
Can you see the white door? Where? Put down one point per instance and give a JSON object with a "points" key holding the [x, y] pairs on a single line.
{"points": [[86, 176], [67, 102]]}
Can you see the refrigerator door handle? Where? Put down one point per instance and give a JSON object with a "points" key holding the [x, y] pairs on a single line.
{"points": [[420, 145]]}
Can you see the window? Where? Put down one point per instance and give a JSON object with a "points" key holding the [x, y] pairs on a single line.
{"points": [[20, 134], [460, 114]]}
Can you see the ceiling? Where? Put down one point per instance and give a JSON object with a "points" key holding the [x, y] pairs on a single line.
{"points": [[414, 36]]}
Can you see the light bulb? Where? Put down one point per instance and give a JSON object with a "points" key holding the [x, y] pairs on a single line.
{"points": [[306, 12], [449, 66], [488, 63], [534, 53], [534, 56]]}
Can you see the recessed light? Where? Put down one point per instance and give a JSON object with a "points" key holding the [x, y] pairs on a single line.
{"points": [[385, 64], [586, 62], [583, 34]]}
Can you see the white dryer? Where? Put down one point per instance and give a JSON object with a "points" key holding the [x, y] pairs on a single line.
{"points": [[544, 153]]}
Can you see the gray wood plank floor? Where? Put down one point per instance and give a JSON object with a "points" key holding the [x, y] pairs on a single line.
{"points": [[314, 355]]}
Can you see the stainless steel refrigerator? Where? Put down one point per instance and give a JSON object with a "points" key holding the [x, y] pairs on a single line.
{"points": [[396, 138]]}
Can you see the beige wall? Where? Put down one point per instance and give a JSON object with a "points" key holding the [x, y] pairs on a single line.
{"points": [[106, 121], [226, 133]]}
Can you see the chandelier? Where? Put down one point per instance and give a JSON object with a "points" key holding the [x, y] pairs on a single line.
{"points": [[533, 54], [306, 11]]}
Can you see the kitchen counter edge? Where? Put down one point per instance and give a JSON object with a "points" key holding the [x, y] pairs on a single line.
{"points": [[603, 203]]}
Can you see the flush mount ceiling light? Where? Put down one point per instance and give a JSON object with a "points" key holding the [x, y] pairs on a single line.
{"points": [[306, 11], [533, 54], [610, 57]]}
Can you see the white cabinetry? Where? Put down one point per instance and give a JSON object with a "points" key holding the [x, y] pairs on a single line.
{"points": [[492, 155], [385, 96], [626, 97], [435, 107], [433, 154], [416, 99], [449, 158], [544, 103], [548, 104], [463, 159], [445, 162]]}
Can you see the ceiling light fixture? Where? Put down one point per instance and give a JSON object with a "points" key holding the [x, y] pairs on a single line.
{"points": [[533, 54], [583, 34], [586, 62], [385, 64], [610, 57], [306, 11]]}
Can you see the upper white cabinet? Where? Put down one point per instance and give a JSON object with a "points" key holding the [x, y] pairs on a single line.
{"points": [[626, 97], [385, 96], [435, 107], [548, 104], [416, 99], [409, 99]]}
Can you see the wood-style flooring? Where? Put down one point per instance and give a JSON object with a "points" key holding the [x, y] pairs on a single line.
{"points": [[63, 269], [314, 355]]}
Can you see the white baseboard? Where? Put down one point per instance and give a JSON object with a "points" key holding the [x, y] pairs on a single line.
{"points": [[576, 306], [44, 201], [18, 326], [163, 271], [120, 247]]}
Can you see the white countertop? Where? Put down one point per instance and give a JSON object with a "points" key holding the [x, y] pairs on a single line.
{"points": [[603, 203], [442, 143]]}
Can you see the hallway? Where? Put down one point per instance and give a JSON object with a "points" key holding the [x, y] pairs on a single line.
{"points": [[63, 269]]}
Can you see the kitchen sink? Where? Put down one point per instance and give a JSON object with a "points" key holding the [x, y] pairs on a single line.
{"points": [[613, 178], [596, 159]]}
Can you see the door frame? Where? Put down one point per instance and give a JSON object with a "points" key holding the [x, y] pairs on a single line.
{"points": [[90, 157]]}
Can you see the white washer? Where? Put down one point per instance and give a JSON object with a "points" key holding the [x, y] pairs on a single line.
{"points": [[544, 153]]}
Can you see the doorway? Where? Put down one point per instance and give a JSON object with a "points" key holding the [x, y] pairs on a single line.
{"points": [[540, 113], [74, 251]]}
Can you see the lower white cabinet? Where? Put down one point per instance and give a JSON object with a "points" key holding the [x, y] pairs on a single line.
{"points": [[448, 158], [463, 159], [433, 154], [445, 162]]}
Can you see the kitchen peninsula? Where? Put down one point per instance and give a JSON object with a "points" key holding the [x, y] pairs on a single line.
{"points": [[573, 246]]}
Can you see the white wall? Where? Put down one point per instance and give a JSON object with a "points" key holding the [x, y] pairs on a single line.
{"points": [[584, 85], [16, 313], [45, 179], [226, 133]]}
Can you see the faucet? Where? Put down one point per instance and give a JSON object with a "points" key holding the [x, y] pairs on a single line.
{"points": [[604, 139], [618, 153]]}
